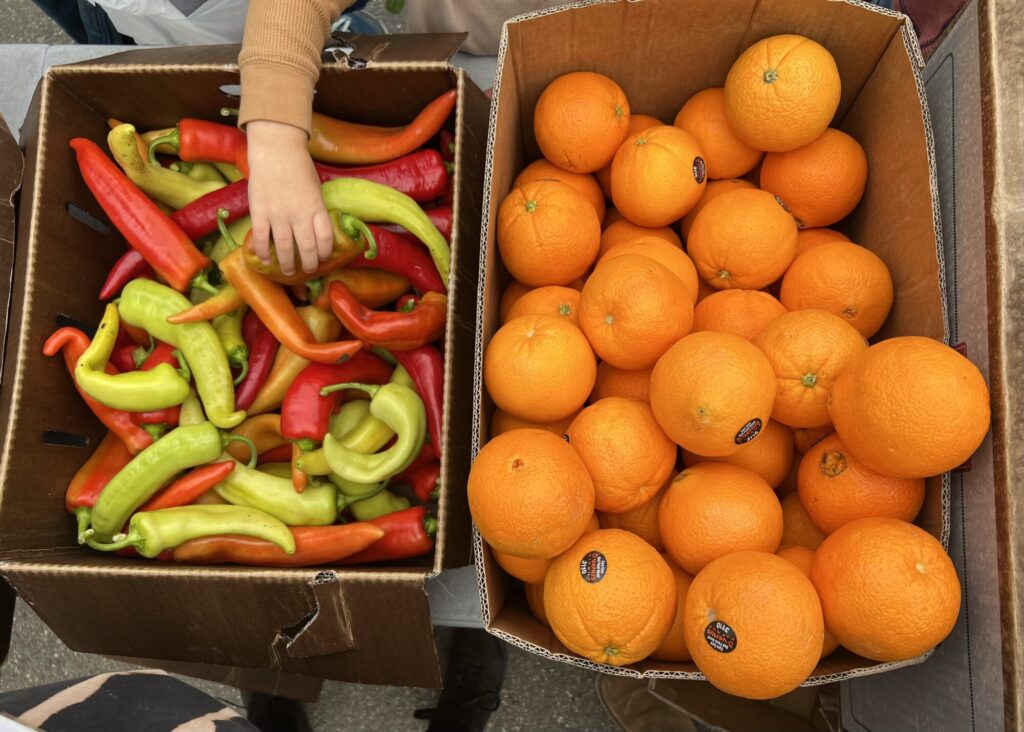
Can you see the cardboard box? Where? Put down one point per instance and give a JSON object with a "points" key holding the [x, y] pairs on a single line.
{"points": [[365, 624], [661, 52]]}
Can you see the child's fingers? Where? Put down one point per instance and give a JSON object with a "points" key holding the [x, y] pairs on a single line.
{"points": [[261, 239], [305, 242], [324, 234], [283, 245]]}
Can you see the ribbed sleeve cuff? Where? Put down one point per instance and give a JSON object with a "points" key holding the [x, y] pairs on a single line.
{"points": [[276, 92]]}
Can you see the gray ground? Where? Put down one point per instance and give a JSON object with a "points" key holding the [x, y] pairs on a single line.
{"points": [[537, 695]]}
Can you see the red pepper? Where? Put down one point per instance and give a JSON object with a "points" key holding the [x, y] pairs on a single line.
{"points": [[147, 229], [190, 486], [440, 216], [199, 218], [425, 457], [424, 482], [400, 255], [422, 175], [398, 331], [262, 351], [279, 454], [305, 415], [314, 545], [335, 141], [407, 534], [130, 266], [105, 462], [163, 353], [123, 356], [200, 141], [426, 368], [447, 146], [73, 343]]}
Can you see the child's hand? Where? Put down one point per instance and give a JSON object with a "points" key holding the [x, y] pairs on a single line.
{"points": [[284, 197]]}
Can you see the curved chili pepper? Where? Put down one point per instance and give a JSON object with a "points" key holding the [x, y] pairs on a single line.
{"points": [[162, 242], [421, 175], [372, 202], [271, 303], [305, 413], [123, 356], [335, 141], [199, 171], [400, 255], [407, 534], [262, 350], [352, 238], [264, 432], [426, 368], [229, 330], [199, 217], [372, 287], [106, 461], [197, 140], [395, 331], [226, 301], [152, 532], [73, 343], [314, 545], [190, 486], [279, 454], [145, 138], [129, 265], [315, 506], [379, 504], [425, 482], [169, 417]]}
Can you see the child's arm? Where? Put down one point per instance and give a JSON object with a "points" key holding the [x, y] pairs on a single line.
{"points": [[280, 64]]}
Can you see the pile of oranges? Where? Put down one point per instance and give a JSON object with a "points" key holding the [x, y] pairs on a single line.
{"points": [[754, 464]]}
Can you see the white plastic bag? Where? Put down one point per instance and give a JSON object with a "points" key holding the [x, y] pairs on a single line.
{"points": [[178, 22]]}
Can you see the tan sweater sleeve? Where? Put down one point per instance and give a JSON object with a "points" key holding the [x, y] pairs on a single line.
{"points": [[280, 58]]}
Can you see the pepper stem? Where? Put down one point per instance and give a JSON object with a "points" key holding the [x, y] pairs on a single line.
{"points": [[155, 431], [83, 517], [385, 355], [222, 226], [408, 306], [131, 539], [430, 524], [370, 389], [315, 287], [181, 167], [184, 371], [140, 354], [306, 444], [172, 139], [243, 364], [228, 112], [253, 455], [202, 282], [355, 227]]}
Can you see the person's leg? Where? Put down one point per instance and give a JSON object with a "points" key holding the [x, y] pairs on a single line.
{"points": [[275, 713], [66, 15], [98, 28]]}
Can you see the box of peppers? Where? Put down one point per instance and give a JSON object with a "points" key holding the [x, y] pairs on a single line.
{"points": [[215, 411]]}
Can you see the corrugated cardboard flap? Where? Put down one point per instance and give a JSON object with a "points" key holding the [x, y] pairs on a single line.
{"points": [[12, 165]]}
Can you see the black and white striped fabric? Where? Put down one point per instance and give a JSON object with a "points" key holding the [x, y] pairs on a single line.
{"points": [[135, 701]]}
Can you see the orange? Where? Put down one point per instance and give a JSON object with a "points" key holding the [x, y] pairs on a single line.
{"points": [[888, 589], [842, 278], [788, 484], [530, 494], [703, 116], [580, 120], [807, 349], [753, 625], [611, 214], [704, 290], [637, 123], [535, 599], [642, 520], [582, 182], [658, 175], [804, 438], [505, 422], [611, 598], [632, 309], [548, 233], [743, 239], [621, 383], [712, 393], [836, 489], [712, 190], [782, 92], [513, 292], [797, 527], [549, 300], [803, 559], [910, 407], [672, 257], [770, 455], [532, 571], [821, 182], [673, 648], [742, 312], [626, 453], [810, 238], [624, 230], [539, 367], [714, 509]]}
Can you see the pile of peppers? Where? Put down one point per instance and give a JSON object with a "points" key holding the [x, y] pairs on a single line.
{"points": [[256, 417]]}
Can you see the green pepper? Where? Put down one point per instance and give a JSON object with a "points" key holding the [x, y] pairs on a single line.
{"points": [[148, 304], [278, 470], [402, 411], [317, 505], [374, 202], [377, 505], [181, 448], [229, 330], [153, 532], [199, 171], [191, 411], [133, 391], [230, 172]]}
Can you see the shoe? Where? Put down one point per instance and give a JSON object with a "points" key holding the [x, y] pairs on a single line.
{"points": [[472, 684], [275, 713]]}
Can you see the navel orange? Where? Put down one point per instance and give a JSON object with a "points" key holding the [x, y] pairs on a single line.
{"points": [[703, 116], [584, 183], [810, 238], [673, 648], [642, 520], [672, 257], [770, 455], [803, 559], [713, 190], [621, 383], [504, 422], [804, 438], [637, 123], [797, 527], [742, 312], [549, 300], [623, 230]]}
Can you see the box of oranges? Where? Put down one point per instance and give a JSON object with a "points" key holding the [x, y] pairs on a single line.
{"points": [[716, 409]]}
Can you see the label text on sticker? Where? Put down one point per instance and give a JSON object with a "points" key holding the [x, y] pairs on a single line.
{"points": [[748, 431], [720, 636], [593, 567]]}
